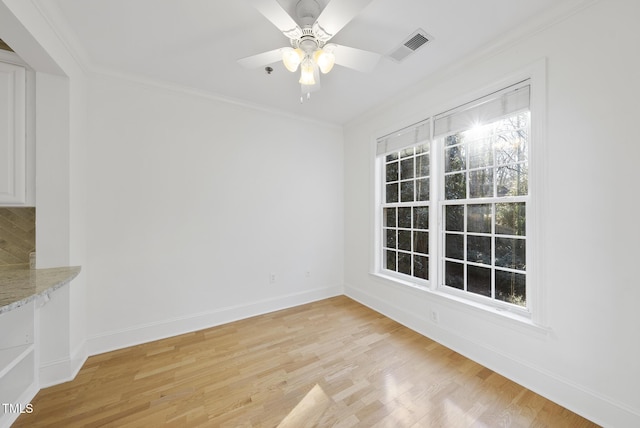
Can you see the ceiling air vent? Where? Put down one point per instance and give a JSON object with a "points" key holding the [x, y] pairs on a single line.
{"points": [[414, 42]]}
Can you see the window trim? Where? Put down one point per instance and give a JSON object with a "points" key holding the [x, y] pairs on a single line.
{"points": [[537, 312]]}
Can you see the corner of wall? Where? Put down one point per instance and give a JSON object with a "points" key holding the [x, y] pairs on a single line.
{"points": [[149, 332], [577, 398]]}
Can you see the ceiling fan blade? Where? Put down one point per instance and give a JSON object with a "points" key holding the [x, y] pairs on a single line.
{"points": [[272, 10], [336, 15], [261, 59], [356, 59]]}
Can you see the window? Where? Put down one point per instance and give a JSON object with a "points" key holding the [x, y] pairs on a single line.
{"points": [[405, 207], [467, 177], [484, 211]]}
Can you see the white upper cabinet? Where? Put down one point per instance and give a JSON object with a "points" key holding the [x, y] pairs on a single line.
{"points": [[14, 182]]}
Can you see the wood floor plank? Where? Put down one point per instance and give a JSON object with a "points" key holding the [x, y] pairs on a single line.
{"points": [[333, 363]]}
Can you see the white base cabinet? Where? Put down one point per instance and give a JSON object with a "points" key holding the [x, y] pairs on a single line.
{"points": [[18, 362]]}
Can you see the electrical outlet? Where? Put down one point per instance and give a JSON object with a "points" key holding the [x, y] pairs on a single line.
{"points": [[272, 278], [435, 316]]}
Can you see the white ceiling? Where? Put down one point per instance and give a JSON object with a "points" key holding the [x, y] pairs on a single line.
{"points": [[196, 44]]}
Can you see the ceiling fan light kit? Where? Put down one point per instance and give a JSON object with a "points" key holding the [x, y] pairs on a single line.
{"points": [[306, 73], [325, 58], [291, 58], [308, 37]]}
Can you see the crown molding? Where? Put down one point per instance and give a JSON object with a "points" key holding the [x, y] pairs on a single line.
{"points": [[543, 21], [51, 12], [103, 72], [58, 24]]}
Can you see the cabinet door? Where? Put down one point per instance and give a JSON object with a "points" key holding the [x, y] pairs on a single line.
{"points": [[13, 165]]}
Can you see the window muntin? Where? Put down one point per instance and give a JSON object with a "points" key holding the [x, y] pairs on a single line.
{"points": [[405, 211]]}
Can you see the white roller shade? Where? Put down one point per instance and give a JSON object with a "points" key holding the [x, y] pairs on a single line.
{"points": [[406, 137], [487, 109]]}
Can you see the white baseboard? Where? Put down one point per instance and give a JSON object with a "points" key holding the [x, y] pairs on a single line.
{"points": [[64, 370], [172, 327], [590, 404]]}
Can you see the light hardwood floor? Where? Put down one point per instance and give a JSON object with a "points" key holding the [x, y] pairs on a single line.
{"points": [[328, 363]]}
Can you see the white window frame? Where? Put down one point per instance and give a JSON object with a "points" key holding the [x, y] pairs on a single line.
{"points": [[411, 136], [536, 311]]}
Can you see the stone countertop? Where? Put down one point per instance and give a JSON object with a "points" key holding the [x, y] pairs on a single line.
{"points": [[19, 285]]}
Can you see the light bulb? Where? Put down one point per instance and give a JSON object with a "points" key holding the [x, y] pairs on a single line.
{"points": [[325, 59], [291, 58], [306, 72]]}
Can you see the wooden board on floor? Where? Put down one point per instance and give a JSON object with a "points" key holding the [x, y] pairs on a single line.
{"points": [[328, 363]]}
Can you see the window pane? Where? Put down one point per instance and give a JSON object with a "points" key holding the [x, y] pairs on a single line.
{"points": [[511, 147], [421, 242], [391, 260], [404, 240], [454, 246], [479, 249], [422, 166], [406, 191], [455, 186], [510, 253], [421, 218], [392, 193], [390, 217], [454, 218], [454, 275], [479, 280], [406, 169], [510, 287], [516, 121], [404, 217], [390, 238], [511, 219], [479, 218], [452, 140], [392, 157], [480, 154], [454, 159], [406, 152], [421, 267], [512, 180], [424, 148], [423, 189], [404, 263], [481, 183], [392, 172]]}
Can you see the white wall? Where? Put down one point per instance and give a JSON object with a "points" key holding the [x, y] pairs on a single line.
{"points": [[590, 361], [194, 202]]}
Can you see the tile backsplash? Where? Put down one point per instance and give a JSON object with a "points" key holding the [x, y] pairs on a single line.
{"points": [[17, 235]]}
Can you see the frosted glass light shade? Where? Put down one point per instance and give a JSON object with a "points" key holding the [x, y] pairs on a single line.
{"points": [[291, 58], [306, 72], [325, 60]]}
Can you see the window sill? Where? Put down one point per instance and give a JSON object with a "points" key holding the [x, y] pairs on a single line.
{"points": [[469, 307], [396, 280]]}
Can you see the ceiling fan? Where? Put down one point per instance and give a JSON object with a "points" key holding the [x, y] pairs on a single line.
{"points": [[309, 37]]}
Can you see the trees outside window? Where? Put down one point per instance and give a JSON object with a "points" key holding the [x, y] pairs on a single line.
{"points": [[484, 209], [454, 200], [405, 211]]}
